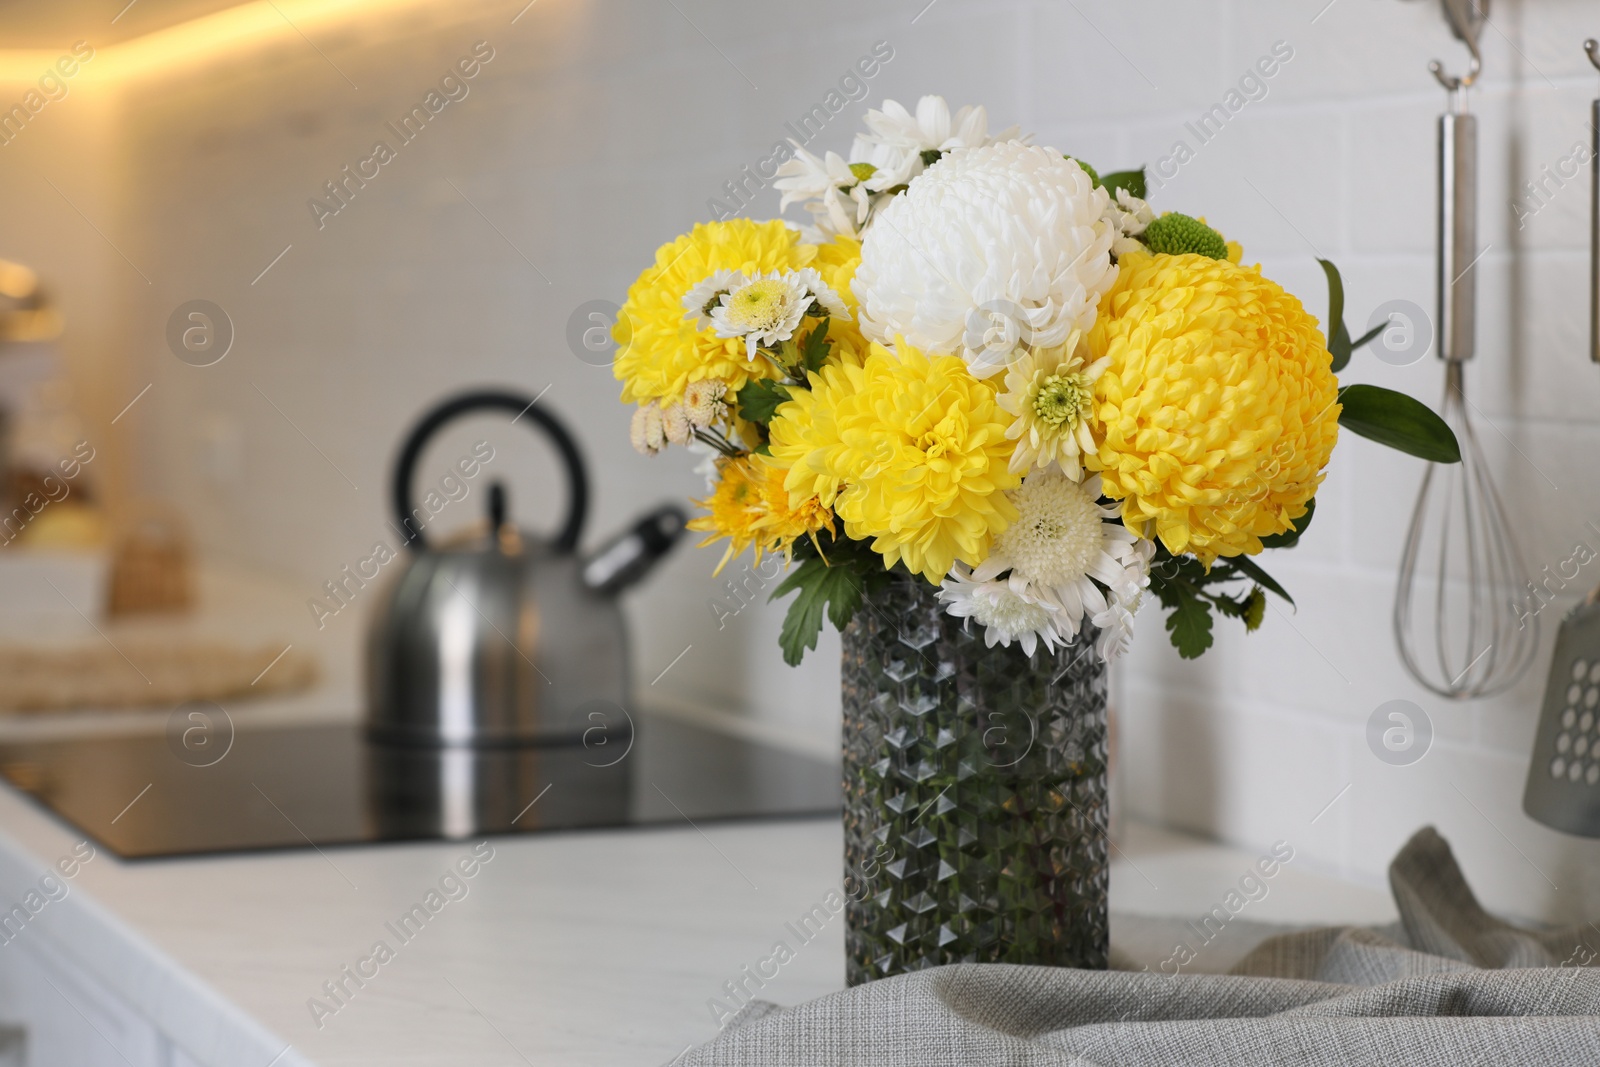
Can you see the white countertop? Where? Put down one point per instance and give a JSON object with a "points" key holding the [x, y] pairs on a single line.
{"points": [[580, 948]]}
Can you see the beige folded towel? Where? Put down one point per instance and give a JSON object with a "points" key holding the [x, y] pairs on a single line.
{"points": [[143, 671]]}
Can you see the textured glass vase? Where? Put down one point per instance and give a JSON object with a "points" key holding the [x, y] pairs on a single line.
{"points": [[975, 794]]}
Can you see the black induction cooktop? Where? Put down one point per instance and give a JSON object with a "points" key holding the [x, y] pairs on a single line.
{"points": [[146, 795]]}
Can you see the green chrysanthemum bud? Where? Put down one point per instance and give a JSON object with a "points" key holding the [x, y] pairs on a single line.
{"points": [[1094, 175], [1175, 234], [1255, 609], [863, 171]]}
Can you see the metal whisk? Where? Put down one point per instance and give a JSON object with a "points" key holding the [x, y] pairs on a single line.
{"points": [[1467, 630]]}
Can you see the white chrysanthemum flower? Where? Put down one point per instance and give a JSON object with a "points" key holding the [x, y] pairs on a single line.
{"points": [[1050, 391], [910, 143], [767, 309], [991, 249], [1116, 622], [1116, 626], [647, 431], [705, 402], [1136, 569], [1006, 614], [1064, 546], [1129, 216], [703, 295]]}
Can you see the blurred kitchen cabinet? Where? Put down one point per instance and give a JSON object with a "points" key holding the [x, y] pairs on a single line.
{"points": [[52, 1014]]}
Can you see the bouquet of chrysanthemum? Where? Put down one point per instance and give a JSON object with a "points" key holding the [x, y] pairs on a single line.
{"points": [[987, 365]]}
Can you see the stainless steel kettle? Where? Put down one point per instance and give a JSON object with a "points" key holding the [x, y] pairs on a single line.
{"points": [[508, 639]]}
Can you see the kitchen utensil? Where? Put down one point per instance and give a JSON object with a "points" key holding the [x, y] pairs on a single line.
{"points": [[1563, 788], [1464, 638], [507, 638], [1591, 48]]}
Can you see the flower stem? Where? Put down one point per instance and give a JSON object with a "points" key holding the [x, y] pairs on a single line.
{"points": [[718, 442]]}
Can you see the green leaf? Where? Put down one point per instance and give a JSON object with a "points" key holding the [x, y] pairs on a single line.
{"points": [[1338, 337], [1399, 421], [1335, 292], [814, 352], [845, 589], [802, 623], [1131, 180], [1233, 608], [1367, 337], [1290, 538], [758, 400], [1250, 568], [1190, 627], [822, 590], [1174, 577], [1250, 608], [801, 577]]}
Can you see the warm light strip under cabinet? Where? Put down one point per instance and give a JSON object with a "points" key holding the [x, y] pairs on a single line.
{"points": [[200, 40]]}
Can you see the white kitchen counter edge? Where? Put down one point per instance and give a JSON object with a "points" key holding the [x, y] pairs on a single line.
{"points": [[188, 1012]]}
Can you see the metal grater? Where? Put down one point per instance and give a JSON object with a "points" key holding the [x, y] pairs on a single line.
{"points": [[1564, 775]]}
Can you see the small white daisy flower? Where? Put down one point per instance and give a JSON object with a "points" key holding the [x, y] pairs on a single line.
{"points": [[1050, 391], [1128, 216], [767, 309], [889, 165], [829, 188], [703, 295], [914, 141], [822, 292]]}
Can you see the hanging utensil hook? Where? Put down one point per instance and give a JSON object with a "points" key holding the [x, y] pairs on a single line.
{"points": [[1591, 48], [1466, 19], [1456, 83]]}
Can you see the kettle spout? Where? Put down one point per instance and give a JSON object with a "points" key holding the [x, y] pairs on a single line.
{"points": [[629, 556]]}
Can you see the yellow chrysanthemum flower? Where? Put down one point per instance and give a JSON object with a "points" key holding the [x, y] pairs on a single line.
{"points": [[837, 262], [911, 451], [661, 349], [751, 508], [1218, 410]]}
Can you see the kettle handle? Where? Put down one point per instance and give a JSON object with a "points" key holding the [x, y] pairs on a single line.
{"points": [[577, 478]]}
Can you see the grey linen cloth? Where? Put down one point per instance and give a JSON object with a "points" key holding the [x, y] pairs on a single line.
{"points": [[1450, 986]]}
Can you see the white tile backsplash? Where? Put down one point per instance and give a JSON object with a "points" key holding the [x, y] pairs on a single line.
{"points": [[598, 132]]}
